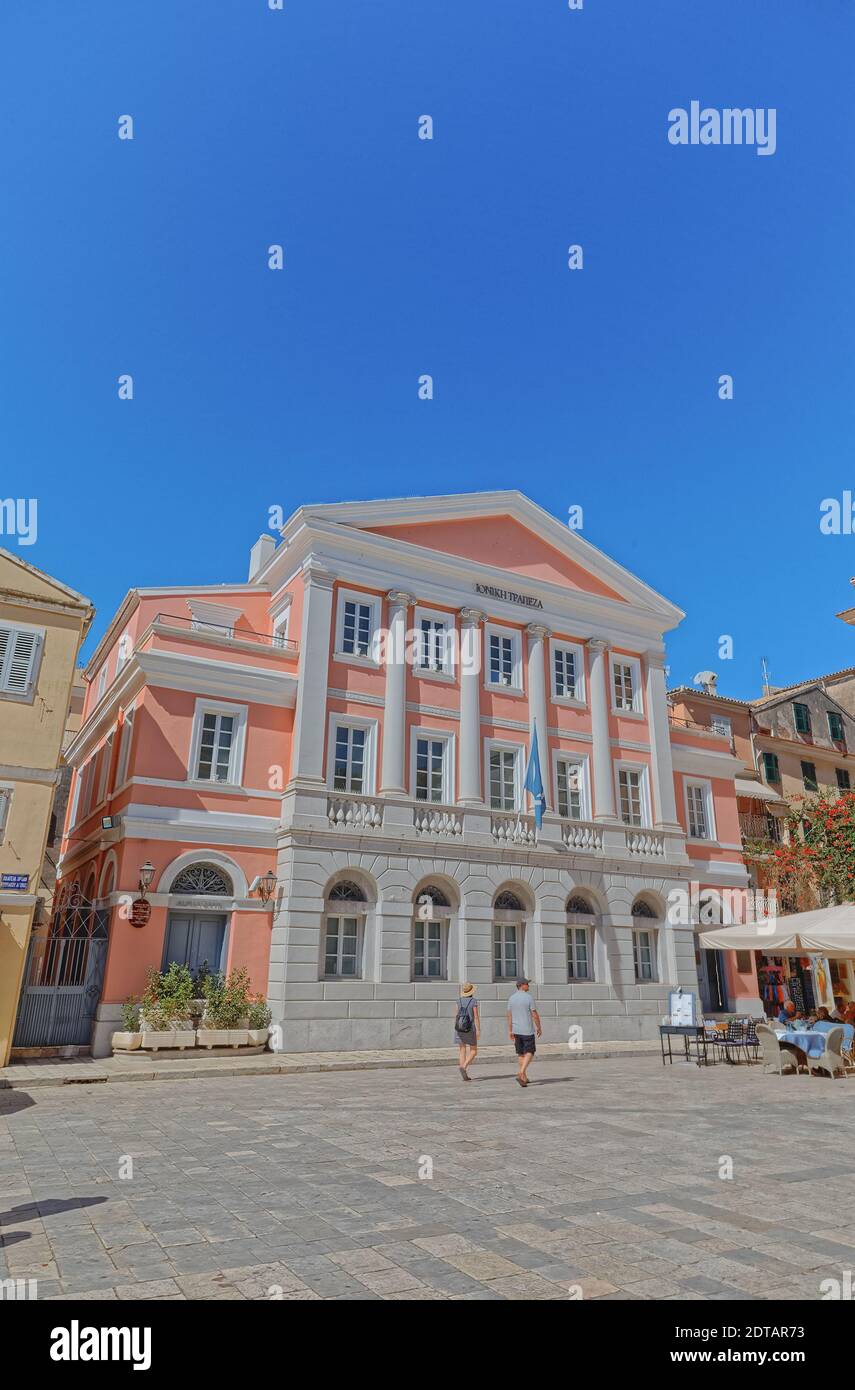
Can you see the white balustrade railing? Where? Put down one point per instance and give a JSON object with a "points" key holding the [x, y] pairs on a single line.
{"points": [[645, 844], [431, 819], [513, 830], [582, 835], [354, 812]]}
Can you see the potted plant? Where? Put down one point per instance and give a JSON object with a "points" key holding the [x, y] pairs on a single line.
{"points": [[225, 1020], [130, 1039], [259, 1021], [165, 1013]]}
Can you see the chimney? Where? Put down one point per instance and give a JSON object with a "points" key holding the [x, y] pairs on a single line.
{"points": [[260, 554]]}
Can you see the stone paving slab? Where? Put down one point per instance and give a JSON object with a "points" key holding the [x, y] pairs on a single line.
{"points": [[138, 1066], [598, 1182]]}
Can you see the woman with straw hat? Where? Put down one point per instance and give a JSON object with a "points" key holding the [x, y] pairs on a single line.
{"points": [[467, 1029]]}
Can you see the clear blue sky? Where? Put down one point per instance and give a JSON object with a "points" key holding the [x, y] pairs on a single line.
{"points": [[403, 256]]}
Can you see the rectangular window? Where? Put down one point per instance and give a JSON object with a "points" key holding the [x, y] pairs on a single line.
{"points": [[104, 773], [19, 652], [432, 650], [5, 805], [625, 685], [835, 726], [102, 684], [569, 777], [802, 717], [356, 633], [427, 959], [86, 788], [566, 673], [644, 955], [214, 760], [430, 777], [341, 948], [843, 783], [770, 767], [280, 628], [505, 953], [696, 804], [501, 659], [809, 777], [125, 748], [349, 768], [503, 779], [720, 724], [579, 954], [631, 805]]}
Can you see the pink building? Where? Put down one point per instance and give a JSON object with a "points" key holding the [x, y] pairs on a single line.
{"points": [[358, 717]]}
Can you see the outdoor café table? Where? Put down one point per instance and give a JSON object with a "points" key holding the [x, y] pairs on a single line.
{"points": [[809, 1042], [691, 1035]]}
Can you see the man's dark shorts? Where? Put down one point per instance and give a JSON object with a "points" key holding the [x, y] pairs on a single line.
{"points": [[524, 1044]]}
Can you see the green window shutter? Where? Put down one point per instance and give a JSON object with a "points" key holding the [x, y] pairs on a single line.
{"points": [[809, 777], [802, 717], [770, 766], [835, 726], [843, 782]]}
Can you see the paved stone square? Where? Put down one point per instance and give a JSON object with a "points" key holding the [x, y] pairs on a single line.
{"points": [[600, 1180]]}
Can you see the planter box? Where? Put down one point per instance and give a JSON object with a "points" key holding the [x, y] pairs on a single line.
{"points": [[238, 1037], [126, 1042], [184, 1037], [212, 1037], [157, 1040], [258, 1037]]}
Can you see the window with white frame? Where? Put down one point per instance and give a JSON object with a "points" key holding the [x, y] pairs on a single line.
{"points": [[699, 811], [5, 808], [280, 628], [431, 766], [125, 748], [568, 672], [632, 795], [508, 927], [219, 732], [430, 934], [721, 724], [351, 755], [571, 801], [644, 953], [626, 685], [503, 658], [104, 770], [343, 932], [20, 648], [123, 651], [356, 625], [579, 957], [503, 775], [87, 778], [432, 650]]}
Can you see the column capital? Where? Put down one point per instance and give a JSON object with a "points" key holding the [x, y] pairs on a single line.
{"points": [[317, 574], [399, 598], [471, 617], [538, 630], [597, 644]]}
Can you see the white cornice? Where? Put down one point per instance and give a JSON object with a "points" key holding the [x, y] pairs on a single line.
{"points": [[703, 762], [224, 680]]}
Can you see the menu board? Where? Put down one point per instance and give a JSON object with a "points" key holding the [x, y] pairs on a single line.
{"points": [[681, 1008]]}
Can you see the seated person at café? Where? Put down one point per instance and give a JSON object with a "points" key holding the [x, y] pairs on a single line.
{"points": [[788, 1013]]}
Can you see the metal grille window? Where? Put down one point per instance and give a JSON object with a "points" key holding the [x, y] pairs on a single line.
{"points": [[341, 947], [578, 953], [19, 650], [202, 879], [623, 685], [569, 789], [356, 636], [698, 821], [505, 950], [566, 676], [432, 647], [629, 784], [349, 766], [214, 763], [503, 765], [501, 659], [430, 768], [644, 955]]}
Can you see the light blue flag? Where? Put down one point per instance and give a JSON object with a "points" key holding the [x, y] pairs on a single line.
{"points": [[534, 781]]}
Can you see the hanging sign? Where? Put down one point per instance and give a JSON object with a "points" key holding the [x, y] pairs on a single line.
{"points": [[140, 912]]}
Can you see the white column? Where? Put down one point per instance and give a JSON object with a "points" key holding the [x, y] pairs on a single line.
{"points": [[660, 743], [307, 759], [537, 709], [470, 706], [604, 789], [395, 702]]}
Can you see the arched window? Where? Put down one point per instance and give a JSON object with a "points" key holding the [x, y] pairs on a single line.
{"points": [[430, 934], [644, 943], [580, 938], [508, 935], [203, 879], [344, 931]]}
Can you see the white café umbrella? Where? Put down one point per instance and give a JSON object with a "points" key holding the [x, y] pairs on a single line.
{"points": [[826, 931]]}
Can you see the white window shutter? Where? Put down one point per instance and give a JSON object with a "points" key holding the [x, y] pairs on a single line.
{"points": [[20, 653], [5, 803]]}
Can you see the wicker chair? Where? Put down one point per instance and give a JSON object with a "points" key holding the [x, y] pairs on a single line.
{"points": [[775, 1057], [831, 1059]]}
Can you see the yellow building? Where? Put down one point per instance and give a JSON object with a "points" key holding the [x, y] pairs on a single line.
{"points": [[42, 626]]}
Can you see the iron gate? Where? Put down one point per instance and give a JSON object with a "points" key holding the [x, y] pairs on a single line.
{"points": [[62, 978]]}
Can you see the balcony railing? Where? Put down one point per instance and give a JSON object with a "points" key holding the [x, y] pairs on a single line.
{"points": [[354, 812], [432, 819], [270, 641], [582, 835], [513, 830], [645, 844], [764, 828]]}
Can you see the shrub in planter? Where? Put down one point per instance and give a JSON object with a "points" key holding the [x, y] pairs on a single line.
{"points": [[129, 1039], [165, 1008], [227, 1003], [259, 1020]]}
